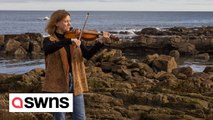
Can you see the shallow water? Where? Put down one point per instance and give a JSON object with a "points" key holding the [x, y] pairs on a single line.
{"points": [[196, 65], [20, 66], [15, 66]]}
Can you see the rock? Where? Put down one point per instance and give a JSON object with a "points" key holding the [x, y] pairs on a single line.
{"points": [[28, 82], [12, 45], [164, 76], [164, 62], [208, 69], [4, 76], [140, 65], [126, 74], [31, 42], [204, 56], [2, 42], [150, 58], [201, 76], [175, 54], [181, 76], [20, 52], [183, 70], [36, 48], [175, 41], [107, 66], [106, 55], [179, 29], [187, 49], [149, 31], [117, 68], [26, 46], [35, 37]]}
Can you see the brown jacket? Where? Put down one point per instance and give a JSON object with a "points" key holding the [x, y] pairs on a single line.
{"points": [[57, 69]]}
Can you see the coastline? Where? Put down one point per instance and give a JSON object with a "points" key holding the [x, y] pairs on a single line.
{"points": [[122, 88], [194, 44]]}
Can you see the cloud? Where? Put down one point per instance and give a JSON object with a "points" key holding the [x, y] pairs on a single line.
{"points": [[135, 5], [114, 1], [17, 1]]}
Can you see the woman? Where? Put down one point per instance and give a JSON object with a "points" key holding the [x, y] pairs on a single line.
{"points": [[65, 70]]}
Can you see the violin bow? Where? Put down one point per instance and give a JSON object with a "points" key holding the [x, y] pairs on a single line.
{"points": [[83, 26]]}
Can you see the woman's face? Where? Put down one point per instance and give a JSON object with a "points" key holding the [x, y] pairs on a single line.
{"points": [[64, 25]]}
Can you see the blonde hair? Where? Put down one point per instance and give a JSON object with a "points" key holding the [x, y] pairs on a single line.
{"points": [[55, 17]]}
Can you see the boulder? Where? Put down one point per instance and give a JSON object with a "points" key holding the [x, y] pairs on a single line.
{"points": [[187, 49], [165, 63], [150, 58], [175, 54], [208, 69], [183, 70], [36, 48], [126, 74], [12, 45], [204, 56], [164, 76], [20, 52], [107, 66], [175, 41], [141, 65], [149, 31], [26, 45]]}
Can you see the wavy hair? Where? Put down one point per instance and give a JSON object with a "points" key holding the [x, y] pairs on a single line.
{"points": [[55, 17]]}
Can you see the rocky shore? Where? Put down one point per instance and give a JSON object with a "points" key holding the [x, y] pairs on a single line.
{"points": [[179, 40], [128, 89]]}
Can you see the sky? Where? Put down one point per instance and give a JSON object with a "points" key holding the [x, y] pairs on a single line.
{"points": [[108, 5]]}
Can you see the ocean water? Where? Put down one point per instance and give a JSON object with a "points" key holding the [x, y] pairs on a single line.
{"points": [[16, 22], [12, 22]]}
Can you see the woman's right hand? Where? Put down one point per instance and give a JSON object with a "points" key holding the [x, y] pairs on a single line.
{"points": [[75, 41]]}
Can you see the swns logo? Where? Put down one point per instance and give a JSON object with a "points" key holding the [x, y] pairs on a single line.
{"points": [[40, 102]]}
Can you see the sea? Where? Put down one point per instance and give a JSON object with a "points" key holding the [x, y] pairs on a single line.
{"points": [[17, 22]]}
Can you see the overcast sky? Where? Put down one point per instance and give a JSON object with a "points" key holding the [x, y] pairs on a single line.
{"points": [[109, 5]]}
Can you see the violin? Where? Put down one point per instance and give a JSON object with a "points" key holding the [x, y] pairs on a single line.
{"points": [[87, 35]]}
